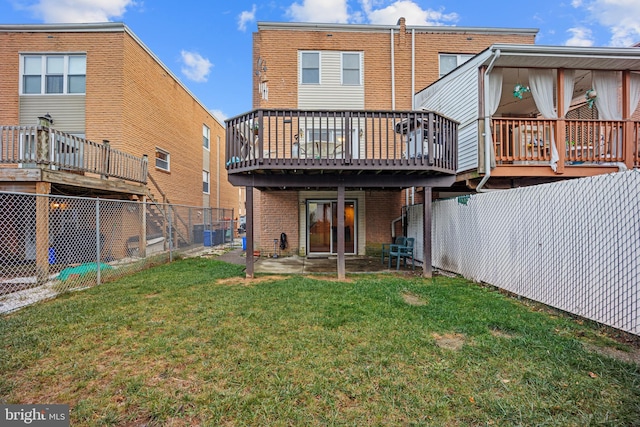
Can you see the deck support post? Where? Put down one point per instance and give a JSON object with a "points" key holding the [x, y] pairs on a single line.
{"points": [[426, 234], [249, 232], [43, 189], [340, 233]]}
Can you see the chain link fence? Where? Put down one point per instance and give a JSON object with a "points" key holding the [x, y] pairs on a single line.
{"points": [[53, 244], [573, 245]]}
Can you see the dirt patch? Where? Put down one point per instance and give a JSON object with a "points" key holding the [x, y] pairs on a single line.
{"points": [[501, 334], [413, 299], [231, 281], [449, 341], [632, 356]]}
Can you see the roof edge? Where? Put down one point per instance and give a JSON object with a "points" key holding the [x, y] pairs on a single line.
{"points": [[310, 26], [66, 28]]}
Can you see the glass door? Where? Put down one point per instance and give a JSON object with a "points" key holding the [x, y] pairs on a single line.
{"points": [[322, 220]]}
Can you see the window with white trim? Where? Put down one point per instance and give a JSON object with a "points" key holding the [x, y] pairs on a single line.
{"points": [[206, 134], [205, 182], [351, 68], [450, 61], [310, 67], [53, 74], [162, 159]]}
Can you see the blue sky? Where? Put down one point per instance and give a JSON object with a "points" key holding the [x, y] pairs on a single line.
{"points": [[207, 44]]}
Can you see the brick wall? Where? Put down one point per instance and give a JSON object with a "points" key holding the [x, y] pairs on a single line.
{"points": [[278, 213], [132, 101], [279, 48], [382, 207]]}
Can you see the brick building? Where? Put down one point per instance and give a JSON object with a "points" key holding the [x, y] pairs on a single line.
{"points": [[322, 84], [99, 82]]}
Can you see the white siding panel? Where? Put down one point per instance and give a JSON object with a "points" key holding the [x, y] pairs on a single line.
{"points": [[68, 112], [330, 94], [456, 96]]}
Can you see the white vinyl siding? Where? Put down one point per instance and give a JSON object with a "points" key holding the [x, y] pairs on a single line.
{"points": [[331, 93], [68, 112], [444, 97]]}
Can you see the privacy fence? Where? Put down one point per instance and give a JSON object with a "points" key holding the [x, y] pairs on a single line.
{"points": [[53, 244], [573, 245]]}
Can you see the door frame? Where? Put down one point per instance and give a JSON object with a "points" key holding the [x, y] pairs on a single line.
{"points": [[332, 201]]}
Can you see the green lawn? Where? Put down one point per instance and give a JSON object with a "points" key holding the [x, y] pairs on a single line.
{"points": [[193, 343]]}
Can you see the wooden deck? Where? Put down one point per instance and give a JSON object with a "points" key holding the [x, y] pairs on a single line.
{"points": [[357, 148]]}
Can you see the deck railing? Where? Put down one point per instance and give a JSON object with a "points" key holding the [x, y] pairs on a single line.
{"points": [[529, 141], [38, 146], [325, 140]]}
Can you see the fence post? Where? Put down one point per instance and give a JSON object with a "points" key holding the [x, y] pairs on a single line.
{"points": [[98, 248], [170, 234], [43, 189]]}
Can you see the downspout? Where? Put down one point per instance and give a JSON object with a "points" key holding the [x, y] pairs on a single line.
{"points": [[487, 126], [393, 226], [393, 75]]}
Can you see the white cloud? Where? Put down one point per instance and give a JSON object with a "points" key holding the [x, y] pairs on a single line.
{"points": [[219, 114], [79, 11], [246, 17], [580, 36], [621, 17], [326, 11], [413, 14], [195, 67], [373, 12]]}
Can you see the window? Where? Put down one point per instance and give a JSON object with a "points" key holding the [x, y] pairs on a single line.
{"points": [[53, 74], [206, 133], [324, 135], [310, 68], [205, 182], [448, 62], [162, 159], [351, 68]]}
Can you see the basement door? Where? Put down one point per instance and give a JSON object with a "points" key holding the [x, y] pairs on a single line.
{"points": [[322, 226]]}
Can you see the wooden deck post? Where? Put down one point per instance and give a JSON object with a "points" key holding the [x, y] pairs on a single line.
{"points": [[249, 232], [340, 233], [560, 134], [426, 235], [628, 142], [43, 189]]}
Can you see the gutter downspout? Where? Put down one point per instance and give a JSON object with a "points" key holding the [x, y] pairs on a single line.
{"points": [[393, 75], [487, 126]]}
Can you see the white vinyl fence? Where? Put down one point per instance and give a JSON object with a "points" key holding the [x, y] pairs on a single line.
{"points": [[573, 245]]}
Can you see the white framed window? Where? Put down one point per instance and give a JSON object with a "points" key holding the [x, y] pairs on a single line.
{"points": [[206, 134], [351, 73], [310, 67], [450, 61], [162, 159], [205, 181], [53, 74]]}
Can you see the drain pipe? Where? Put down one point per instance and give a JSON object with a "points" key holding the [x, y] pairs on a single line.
{"points": [[487, 126], [393, 226]]}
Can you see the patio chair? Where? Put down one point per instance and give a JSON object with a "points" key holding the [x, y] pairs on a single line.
{"points": [[402, 252], [401, 240]]}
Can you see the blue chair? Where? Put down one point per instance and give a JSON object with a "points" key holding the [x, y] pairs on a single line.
{"points": [[402, 252], [401, 241]]}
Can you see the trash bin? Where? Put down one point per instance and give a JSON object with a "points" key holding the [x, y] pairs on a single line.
{"points": [[52, 255], [244, 243], [207, 236]]}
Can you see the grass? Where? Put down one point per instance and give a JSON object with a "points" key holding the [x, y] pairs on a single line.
{"points": [[192, 343]]}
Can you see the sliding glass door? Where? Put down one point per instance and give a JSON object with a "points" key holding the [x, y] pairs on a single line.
{"points": [[322, 226]]}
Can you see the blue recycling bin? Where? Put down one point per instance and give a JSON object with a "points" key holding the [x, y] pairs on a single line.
{"points": [[244, 243], [52, 255], [207, 237]]}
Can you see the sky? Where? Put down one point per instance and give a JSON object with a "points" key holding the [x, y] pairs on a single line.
{"points": [[207, 44]]}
